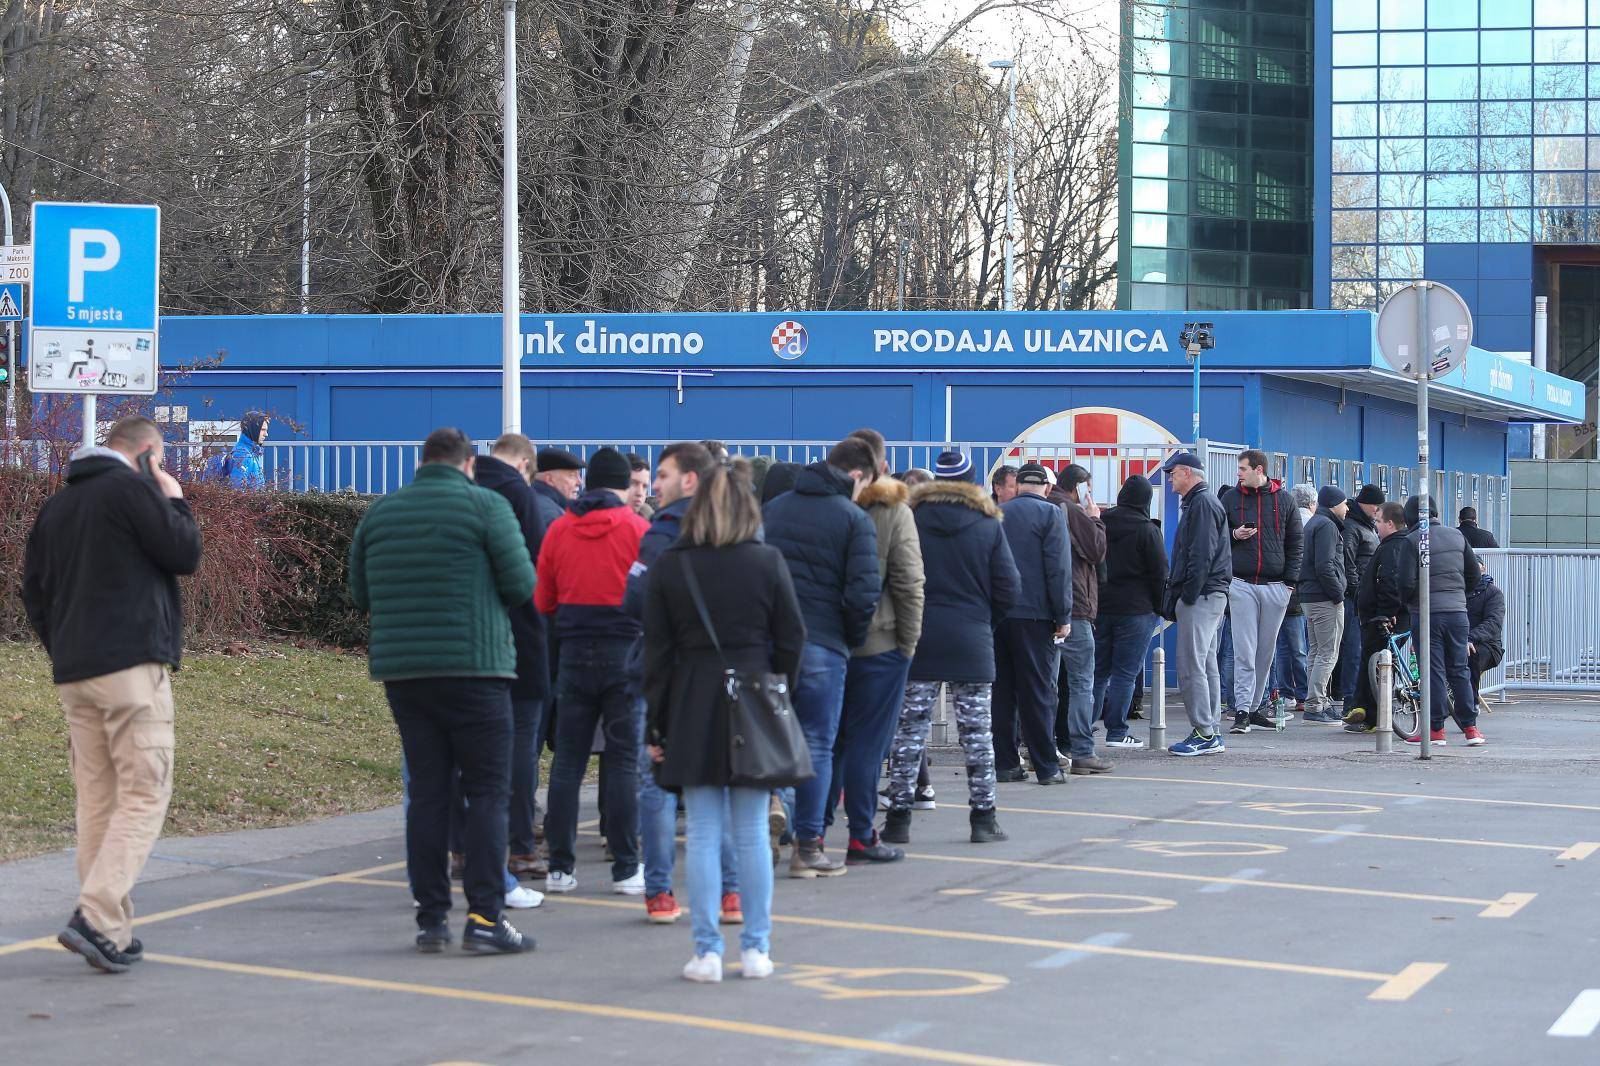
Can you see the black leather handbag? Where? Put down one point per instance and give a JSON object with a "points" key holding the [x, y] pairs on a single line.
{"points": [[766, 746]]}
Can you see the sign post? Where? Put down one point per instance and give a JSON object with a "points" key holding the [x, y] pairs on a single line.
{"points": [[95, 302], [1424, 331]]}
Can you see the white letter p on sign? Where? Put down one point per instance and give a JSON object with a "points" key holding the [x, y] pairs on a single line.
{"points": [[78, 263]]}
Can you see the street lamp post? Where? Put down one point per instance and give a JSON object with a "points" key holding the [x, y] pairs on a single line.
{"points": [[510, 261], [305, 212], [1009, 65]]}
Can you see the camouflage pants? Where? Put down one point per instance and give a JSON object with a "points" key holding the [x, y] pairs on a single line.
{"points": [[911, 739]]}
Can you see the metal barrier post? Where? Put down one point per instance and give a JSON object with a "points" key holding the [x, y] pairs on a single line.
{"points": [[1385, 708], [1158, 688]]}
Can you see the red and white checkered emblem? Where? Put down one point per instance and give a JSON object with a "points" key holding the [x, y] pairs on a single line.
{"points": [[1109, 442], [789, 340]]}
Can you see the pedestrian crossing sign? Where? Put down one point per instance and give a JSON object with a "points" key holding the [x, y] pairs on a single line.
{"points": [[10, 303]]}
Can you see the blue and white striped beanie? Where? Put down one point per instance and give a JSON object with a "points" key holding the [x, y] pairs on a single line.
{"points": [[953, 466]]}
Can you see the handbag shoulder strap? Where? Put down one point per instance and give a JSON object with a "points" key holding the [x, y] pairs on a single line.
{"points": [[700, 607]]}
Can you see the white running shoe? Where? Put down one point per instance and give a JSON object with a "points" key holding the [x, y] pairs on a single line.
{"points": [[630, 886], [522, 898], [560, 882], [706, 969], [754, 964]]}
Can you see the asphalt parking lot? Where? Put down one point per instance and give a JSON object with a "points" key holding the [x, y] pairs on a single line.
{"points": [[1298, 900]]}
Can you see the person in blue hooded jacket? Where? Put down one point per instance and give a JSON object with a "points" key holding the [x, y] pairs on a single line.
{"points": [[241, 467]]}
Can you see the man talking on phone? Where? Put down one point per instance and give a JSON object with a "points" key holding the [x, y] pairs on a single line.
{"points": [[100, 584], [1265, 527]]}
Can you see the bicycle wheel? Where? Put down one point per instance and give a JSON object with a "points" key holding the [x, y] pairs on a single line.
{"points": [[1404, 716]]}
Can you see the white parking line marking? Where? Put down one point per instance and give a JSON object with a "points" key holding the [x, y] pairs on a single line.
{"points": [[1334, 836], [1581, 1018], [1246, 874], [1066, 958]]}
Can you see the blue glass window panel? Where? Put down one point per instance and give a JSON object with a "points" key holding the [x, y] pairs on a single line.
{"points": [[1353, 296], [1505, 153], [1157, 265], [1151, 125], [1158, 297], [1401, 153], [1359, 155], [1355, 15], [1594, 43], [1402, 120], [1159, 161], [1156, 231], [1452, 153], [1594, 187], [1152, 56], [1562, 225], [1505, 189], [1401, 49], [1452, 83], [1406, 83], [1558, 46], [1443, 14], [1506, 83], [1155, 194], [1594, 153], [1452, 190], [1355, 120], [1558, 116], [1159, 90], [1505, 225], [1353, 226], [1564, 81], [1453, 119], [1400, 15], [1565, 187], [1452, 227], [1401, 225], [1159, 22], [1558, 12], [1452, 46], [1400, 190], [1355, 84], [1356, 49], [1354, 261], [1594, 116], [1594, 79], [1506, 46], [1354, 190], [1558, 153], [1505, 13], [1401, 262], [1503, 118]]}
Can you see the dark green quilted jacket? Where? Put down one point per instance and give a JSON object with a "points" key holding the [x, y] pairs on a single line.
{"points": [[438, 564]]}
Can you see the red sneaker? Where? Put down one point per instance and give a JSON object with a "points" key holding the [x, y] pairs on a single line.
{"points": [[732, 909], [662, 909], [1475, 739], [1435, 738]]}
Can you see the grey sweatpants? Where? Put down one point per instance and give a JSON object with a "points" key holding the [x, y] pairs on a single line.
{"points": [[1257, 612], [1199, 682], [1324, 629]]}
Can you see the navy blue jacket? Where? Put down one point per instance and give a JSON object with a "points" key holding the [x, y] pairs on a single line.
{"points": [[1324, 570], [971, 581], [1041, 548], [1202, 560], [552, 505], [832, 550], [527, 624]]}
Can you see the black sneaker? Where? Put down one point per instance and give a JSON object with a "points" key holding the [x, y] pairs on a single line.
{"points": [[493, 938], [95, 947], [923, 799], [859, 854], [1241, 723], [1010, 776], [896, 827], [1262, 719], [985, 830], [432, 939], [134, 952]]}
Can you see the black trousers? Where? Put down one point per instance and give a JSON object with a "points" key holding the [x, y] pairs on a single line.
{"points": [[1025, 665], [448, 723], [1373, 640], [527, 726], [1481, 662], [595, 689]]}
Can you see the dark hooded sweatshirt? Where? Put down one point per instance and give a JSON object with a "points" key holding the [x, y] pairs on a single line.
{"points": [[1136, 554]]}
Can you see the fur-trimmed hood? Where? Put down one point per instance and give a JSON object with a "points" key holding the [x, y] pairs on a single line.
{"points": [[964, 493], [885, 491]]}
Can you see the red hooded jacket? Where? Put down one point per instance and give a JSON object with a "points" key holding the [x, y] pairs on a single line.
{"points": [[583, 567]]}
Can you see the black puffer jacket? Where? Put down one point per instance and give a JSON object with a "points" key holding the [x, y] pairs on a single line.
{"points": [[1360, 545], [971, 578], [100, 577], [1389, 584], [1273, 554], [832, 550], [527, 624], [1036, 531], [1325, 569], [1136, 555], [1486, 617]]}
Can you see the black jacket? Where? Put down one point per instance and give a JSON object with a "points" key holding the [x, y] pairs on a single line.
{"points": [[1201, 561], [971, 578], [1136, 562], [662, 534], [1360, 544], [1273, 554], [1389, 583], [1486, 617], [552, 505], [832, 549], [1325, 569], [752, 606], [1478, 537], [1036, 532], [100, 574], [527, 624]]}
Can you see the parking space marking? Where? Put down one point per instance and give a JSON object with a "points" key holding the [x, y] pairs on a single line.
{"points": [[1339, 834], [1413, 796], [1581, 1017], [1408, 982], [1580, 850], [831, 981], [1249, 873], [1042, 903], [1067, 958], [1180, 849]]}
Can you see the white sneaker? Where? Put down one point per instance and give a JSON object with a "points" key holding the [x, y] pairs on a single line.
{"points": [[632, 886], [754, 964], [523, 899], [560, 882], [707, 969], [1125, 742]]}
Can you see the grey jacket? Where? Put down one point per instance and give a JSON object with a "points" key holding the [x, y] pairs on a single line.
{"points": [[1323, 569], [1036, 529], [1453, 568]]}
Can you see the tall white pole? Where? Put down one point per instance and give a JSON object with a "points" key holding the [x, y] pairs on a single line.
{"points": [[510, 261], [1011, 190], [1541, 360], [305, 213], [1424, 613]]}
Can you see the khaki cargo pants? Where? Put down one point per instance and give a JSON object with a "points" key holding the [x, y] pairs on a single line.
{"points": [[121, 755]]}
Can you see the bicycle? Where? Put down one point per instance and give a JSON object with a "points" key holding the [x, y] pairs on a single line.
{"points": [[1406, 706]]}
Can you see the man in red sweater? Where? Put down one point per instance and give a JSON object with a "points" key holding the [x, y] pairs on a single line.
{"points": [[583, 573]]}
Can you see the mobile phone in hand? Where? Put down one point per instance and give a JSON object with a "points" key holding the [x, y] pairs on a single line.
{"points": [[146, 467]]}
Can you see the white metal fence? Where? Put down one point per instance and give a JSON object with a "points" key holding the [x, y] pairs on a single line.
{"points": [[1552, 631]]}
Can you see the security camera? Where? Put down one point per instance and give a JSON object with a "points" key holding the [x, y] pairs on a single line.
{"points": [[1197, 335]]}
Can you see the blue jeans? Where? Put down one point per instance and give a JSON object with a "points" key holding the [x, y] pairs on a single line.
{"points": [[874, 686], [818, 701], [712, 813], [1121, 642], [594, 689], [1078, 656], [1289, 665], [658, 832], [1451, 676]]}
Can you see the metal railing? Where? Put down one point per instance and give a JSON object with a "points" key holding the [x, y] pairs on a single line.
{"points": [[1552, 630]]}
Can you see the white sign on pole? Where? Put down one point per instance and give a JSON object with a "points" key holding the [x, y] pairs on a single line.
{"points": [[16, 263], [1449, 324]]}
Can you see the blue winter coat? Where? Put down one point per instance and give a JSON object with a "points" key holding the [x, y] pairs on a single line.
{"points": [[243, 465], [1036, 531], [832, 550], [971, 581]]}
